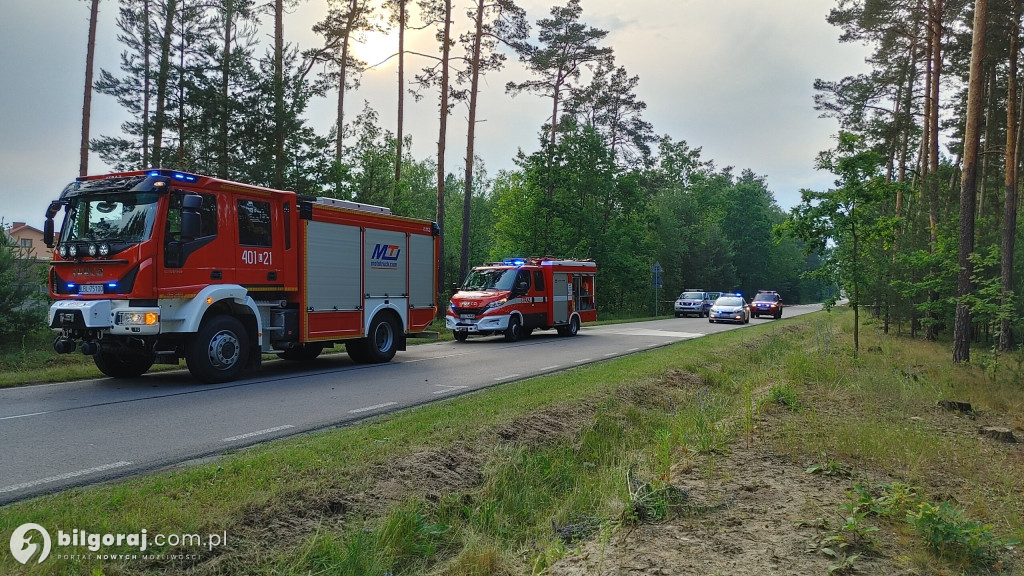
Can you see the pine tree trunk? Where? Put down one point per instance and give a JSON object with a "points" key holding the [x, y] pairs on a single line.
{"points": [[474, 88], [279, 128], [401, 95], [968, 185], [442, 136], [90, 53], [161, 82], [225, 96], [1010, 187], [146, 85]]}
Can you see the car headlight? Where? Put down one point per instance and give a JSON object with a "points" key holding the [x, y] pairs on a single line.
{"points": [[496, 304], [93, 250], [104, 249], [73, 250], [63, 250]]}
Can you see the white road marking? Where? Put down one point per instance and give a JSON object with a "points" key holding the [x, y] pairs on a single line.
{"points": [[259, 433], [610, 354], [23, 415], [582, 361], [65, 476], [509, 377], [632, 350], [372, 408], [649, 332], [447, 389], [549, 368]]}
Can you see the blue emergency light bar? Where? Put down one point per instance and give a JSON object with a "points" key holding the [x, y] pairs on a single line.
{"points": [[176, 175]]}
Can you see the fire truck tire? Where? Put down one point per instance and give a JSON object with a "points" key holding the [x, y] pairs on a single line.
{"points": [[527, 332], [303, 352], [460, 335], [219, 351], [356, 350], [122, 366], [514, 331], [382, 340]]}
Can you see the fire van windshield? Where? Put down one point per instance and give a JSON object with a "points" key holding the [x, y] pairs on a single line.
{"points": [[127, 217], [493, 279]]}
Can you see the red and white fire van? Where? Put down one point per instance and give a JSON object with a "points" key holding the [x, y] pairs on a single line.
{"points": [[519, 295]]}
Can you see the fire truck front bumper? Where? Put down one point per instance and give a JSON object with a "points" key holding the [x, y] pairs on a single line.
{"points": [[480, 324], [113, 316]]}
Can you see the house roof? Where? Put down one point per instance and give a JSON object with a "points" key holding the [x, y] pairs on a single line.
{"points": [[21, 226]]}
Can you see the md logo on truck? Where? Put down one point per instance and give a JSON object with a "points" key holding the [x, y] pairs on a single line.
{"points": [[385, 256]]}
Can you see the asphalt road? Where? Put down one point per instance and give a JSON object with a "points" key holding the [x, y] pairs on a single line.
{"points": [[55, 436]]}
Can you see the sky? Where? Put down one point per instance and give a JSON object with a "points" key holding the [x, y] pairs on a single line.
{"points": [[732, 77]]}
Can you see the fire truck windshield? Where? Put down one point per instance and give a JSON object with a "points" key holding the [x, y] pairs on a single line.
{"points": [[490, 279], [125, 217]]}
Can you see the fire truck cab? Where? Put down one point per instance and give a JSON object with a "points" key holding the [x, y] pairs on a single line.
{"points": [[516, 296], [155, 266]]}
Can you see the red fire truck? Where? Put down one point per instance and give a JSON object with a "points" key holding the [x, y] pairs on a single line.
{"points": [[154, 266], [519, 295]]}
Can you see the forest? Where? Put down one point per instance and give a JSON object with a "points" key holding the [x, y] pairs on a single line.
{"points": [[203, 94], [929, 134]]}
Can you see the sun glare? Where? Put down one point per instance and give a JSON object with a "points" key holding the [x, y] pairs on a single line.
{"points": [[375, 47]]}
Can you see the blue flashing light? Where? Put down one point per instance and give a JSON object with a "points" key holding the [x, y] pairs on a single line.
{"points": [[71, 286], [514, 261], [112, 285], [154, 173]]}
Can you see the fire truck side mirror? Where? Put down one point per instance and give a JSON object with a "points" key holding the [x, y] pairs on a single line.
{"points": [[51, 211], [48, 232], [190, 218]]}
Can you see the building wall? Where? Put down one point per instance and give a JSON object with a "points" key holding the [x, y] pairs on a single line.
{"points": [[29, 240]]}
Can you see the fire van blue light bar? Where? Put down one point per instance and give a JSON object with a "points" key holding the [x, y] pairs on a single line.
{"points": [[514, 261]]}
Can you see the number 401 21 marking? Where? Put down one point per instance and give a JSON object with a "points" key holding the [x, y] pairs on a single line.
{"points": [[253, 257]]}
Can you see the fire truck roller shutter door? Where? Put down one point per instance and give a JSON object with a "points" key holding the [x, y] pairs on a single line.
{"points": [[332, 267]]}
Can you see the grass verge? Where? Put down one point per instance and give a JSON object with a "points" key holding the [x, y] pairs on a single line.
{"points": [[510, 480]]}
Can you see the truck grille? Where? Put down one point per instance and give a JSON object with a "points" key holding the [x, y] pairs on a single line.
{"points": [[473, 311]]}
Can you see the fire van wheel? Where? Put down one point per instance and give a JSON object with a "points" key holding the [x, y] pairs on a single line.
{"points": [[778, 314], [122, 366], [219, 351], [460, 335], [303, 352], [382, 340], [514, 331], [572, 329]]}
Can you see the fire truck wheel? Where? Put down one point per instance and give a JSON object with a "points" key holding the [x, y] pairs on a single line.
{"points": [[219, 351], [460, 335], [527, 332], [122, 366], [357, 350], [303, 352], [514, 331], [382, 340]]}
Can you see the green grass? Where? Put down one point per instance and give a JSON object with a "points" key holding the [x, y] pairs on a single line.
{"points": [[504, 481]]}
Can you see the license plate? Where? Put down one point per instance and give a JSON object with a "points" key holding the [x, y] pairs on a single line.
{"points": [[90, 289], [467, 316]]}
